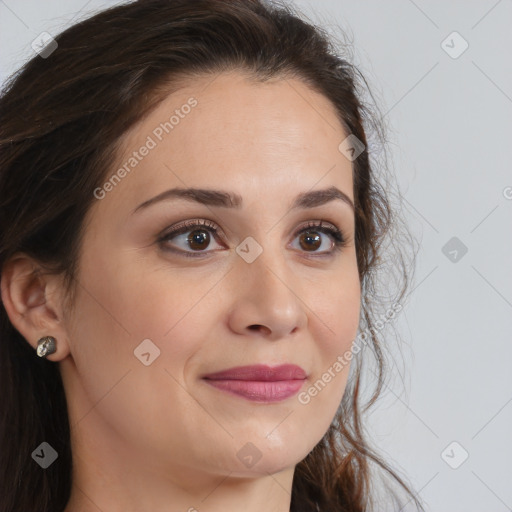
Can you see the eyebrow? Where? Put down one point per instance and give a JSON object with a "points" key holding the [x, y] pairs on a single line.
{"points": [[224, 199]]}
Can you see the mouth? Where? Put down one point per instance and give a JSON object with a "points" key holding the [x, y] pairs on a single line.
{"points": [[259, 383]]}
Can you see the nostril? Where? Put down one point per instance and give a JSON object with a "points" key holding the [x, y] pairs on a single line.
{"points": [[260, 329]]}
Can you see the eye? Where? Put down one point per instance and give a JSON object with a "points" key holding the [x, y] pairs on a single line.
{"points": [[310, 239], [199, 237]]}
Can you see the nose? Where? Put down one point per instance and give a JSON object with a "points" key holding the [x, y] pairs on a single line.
{"points": [[265, 301]]}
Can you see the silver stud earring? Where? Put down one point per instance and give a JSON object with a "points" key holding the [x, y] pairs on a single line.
{"points": [[46, 346]]}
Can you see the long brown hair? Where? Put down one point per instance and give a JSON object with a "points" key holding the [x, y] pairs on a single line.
{"points": [[62, 118]]}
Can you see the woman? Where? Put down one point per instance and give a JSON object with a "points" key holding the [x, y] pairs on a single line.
{"points": [[190, 225]]}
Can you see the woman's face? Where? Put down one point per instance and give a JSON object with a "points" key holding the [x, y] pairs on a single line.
{"points": [[155, 313]]}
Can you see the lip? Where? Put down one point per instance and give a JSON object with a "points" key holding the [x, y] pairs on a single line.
{"points": [[260, 372], [260, 383]]}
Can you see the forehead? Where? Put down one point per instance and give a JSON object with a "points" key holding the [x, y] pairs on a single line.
{"points": [[228, 129]]}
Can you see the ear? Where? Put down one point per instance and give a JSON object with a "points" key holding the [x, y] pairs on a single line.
{"points": [[33, 302]]}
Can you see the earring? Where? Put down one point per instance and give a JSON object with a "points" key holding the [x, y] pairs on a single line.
{"points": [[46, 346]]}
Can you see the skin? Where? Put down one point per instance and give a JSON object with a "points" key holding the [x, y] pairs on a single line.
{"points": [[158, 437]]}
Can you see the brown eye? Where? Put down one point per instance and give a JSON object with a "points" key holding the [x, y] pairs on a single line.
{"points": [[199, 239], [310, 240], [197, 242]]}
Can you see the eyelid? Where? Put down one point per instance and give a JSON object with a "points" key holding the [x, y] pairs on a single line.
{"points": [[183, 227]]}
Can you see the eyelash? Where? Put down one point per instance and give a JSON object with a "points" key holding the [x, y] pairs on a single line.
{"points": [[329, 229]]}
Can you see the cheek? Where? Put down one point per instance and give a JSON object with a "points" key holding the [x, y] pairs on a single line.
{"points": [[142, 300], [334, 324], [337, 309], [115, 388]]}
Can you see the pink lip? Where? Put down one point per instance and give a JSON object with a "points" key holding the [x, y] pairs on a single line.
{"points": [[260, 372], [260, 382]]}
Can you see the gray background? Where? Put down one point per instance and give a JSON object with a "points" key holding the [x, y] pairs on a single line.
{"points": [[450, 127]]}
